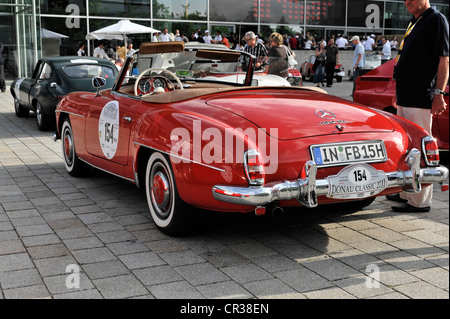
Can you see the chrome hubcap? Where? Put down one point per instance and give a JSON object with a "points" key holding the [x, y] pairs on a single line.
{"points": [[68, 147], [160, 190], [39, 114]]}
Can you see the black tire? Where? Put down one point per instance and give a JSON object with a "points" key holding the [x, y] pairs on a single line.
{"points": [[74, 165], [20, 110], [170, 214], [44, 122], [339, 79]]}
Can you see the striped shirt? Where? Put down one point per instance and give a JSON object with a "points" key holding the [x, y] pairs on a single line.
{"points": [[259, 51]]}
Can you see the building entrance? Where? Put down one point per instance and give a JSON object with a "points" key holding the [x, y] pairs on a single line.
{"points": [[20, 37]]}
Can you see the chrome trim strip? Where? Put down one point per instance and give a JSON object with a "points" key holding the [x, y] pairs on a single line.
{"points": [[59, 111], [138, 98], [182, 158], [305, 190], [104, 170]]}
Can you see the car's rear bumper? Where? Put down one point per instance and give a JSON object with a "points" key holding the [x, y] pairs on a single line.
{"points": [[306, 190]]}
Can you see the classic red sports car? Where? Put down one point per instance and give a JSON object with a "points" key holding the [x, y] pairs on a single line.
{"points": [[377, 88], [194, 136]]}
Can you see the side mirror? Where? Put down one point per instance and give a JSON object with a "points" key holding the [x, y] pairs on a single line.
{"points": [[98, 82]]}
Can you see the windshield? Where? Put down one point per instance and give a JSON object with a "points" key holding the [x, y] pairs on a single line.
{"points": [[83, 71], [172, 65], [198, 65]]}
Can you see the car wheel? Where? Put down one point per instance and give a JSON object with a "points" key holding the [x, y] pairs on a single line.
{"points": [[43, 121], [73, 164], [20, 110], [167, 209], [339, 79]]}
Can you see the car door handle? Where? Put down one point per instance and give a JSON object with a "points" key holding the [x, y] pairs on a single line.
{"points": [[127, 118]]}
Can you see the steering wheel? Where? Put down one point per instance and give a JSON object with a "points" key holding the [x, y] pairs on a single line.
{"points": [[136, 85]]}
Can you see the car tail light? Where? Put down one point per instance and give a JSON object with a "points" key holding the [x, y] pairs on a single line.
{"points": [[431, 151], [254, 168]]}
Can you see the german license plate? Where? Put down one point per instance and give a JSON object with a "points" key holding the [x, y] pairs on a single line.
{"points": [[347, 153], [356, 181]]}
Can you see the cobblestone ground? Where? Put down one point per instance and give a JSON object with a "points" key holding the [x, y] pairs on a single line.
{"points": [[54, 226]]}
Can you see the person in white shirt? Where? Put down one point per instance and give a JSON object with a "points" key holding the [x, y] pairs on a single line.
{"points": [[81, 51], [130, 49], [99, 52], [178, 36], [386, 51], [308, 43], [368, 46], [165, 36], [341, 43], [394, 44], [218, 38], [155, 37], [207, 38]]}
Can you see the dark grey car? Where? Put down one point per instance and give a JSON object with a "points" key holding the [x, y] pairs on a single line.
{"points": [[52, 79]]}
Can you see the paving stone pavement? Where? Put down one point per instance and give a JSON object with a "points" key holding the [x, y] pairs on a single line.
{"points": [[54, 227]]}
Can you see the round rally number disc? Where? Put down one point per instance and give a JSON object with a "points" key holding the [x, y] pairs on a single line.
{"points": [[108, 129]]}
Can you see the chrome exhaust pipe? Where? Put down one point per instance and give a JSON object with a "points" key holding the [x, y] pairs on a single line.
{"points": [[276, 210]]}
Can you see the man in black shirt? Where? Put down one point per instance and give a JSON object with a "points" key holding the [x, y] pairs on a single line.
{"points": [[332, 54], [421, 74]]}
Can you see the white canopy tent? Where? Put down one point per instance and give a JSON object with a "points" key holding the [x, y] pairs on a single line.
{"points": [[119, 30], [47, 34]]}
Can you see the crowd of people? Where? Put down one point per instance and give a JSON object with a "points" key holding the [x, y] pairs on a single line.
{"points": [[274, 51]]}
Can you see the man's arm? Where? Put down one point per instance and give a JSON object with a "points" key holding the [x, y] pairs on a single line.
{"points": [[438, 105]]}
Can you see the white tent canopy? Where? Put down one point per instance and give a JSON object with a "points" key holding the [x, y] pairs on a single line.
{"points": [[119, 31], [47, 34]]}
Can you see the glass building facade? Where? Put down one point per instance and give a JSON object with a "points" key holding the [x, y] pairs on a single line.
{"points": [[22, 21]]}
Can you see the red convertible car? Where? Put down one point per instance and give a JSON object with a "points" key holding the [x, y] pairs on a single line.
{"points": [[193, 135], [377, 88]]}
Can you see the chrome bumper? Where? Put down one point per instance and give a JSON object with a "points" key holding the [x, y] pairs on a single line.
{"points": [[306, 190]]}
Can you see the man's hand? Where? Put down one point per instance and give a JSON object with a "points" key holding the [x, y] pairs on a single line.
{"points": [[394, 101], [438, 105]]}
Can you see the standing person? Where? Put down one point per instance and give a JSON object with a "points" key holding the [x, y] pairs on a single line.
{"points": [[359, 59], [332, 53], [386, 50], [341, 42], [319, 64], [2, 70], [99, 52], [130, 49], [207, 38], [121, 52], [218, 38], [165, 36], [293, 42], [81, 51], [255, 48], [370, 43], [419, 92], [278, 56], [394, 44]]}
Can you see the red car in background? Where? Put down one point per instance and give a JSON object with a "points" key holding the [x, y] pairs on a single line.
{"points": [[377, 88]]}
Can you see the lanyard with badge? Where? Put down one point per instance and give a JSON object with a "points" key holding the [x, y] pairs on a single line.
{"points": [[408, 32]]}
